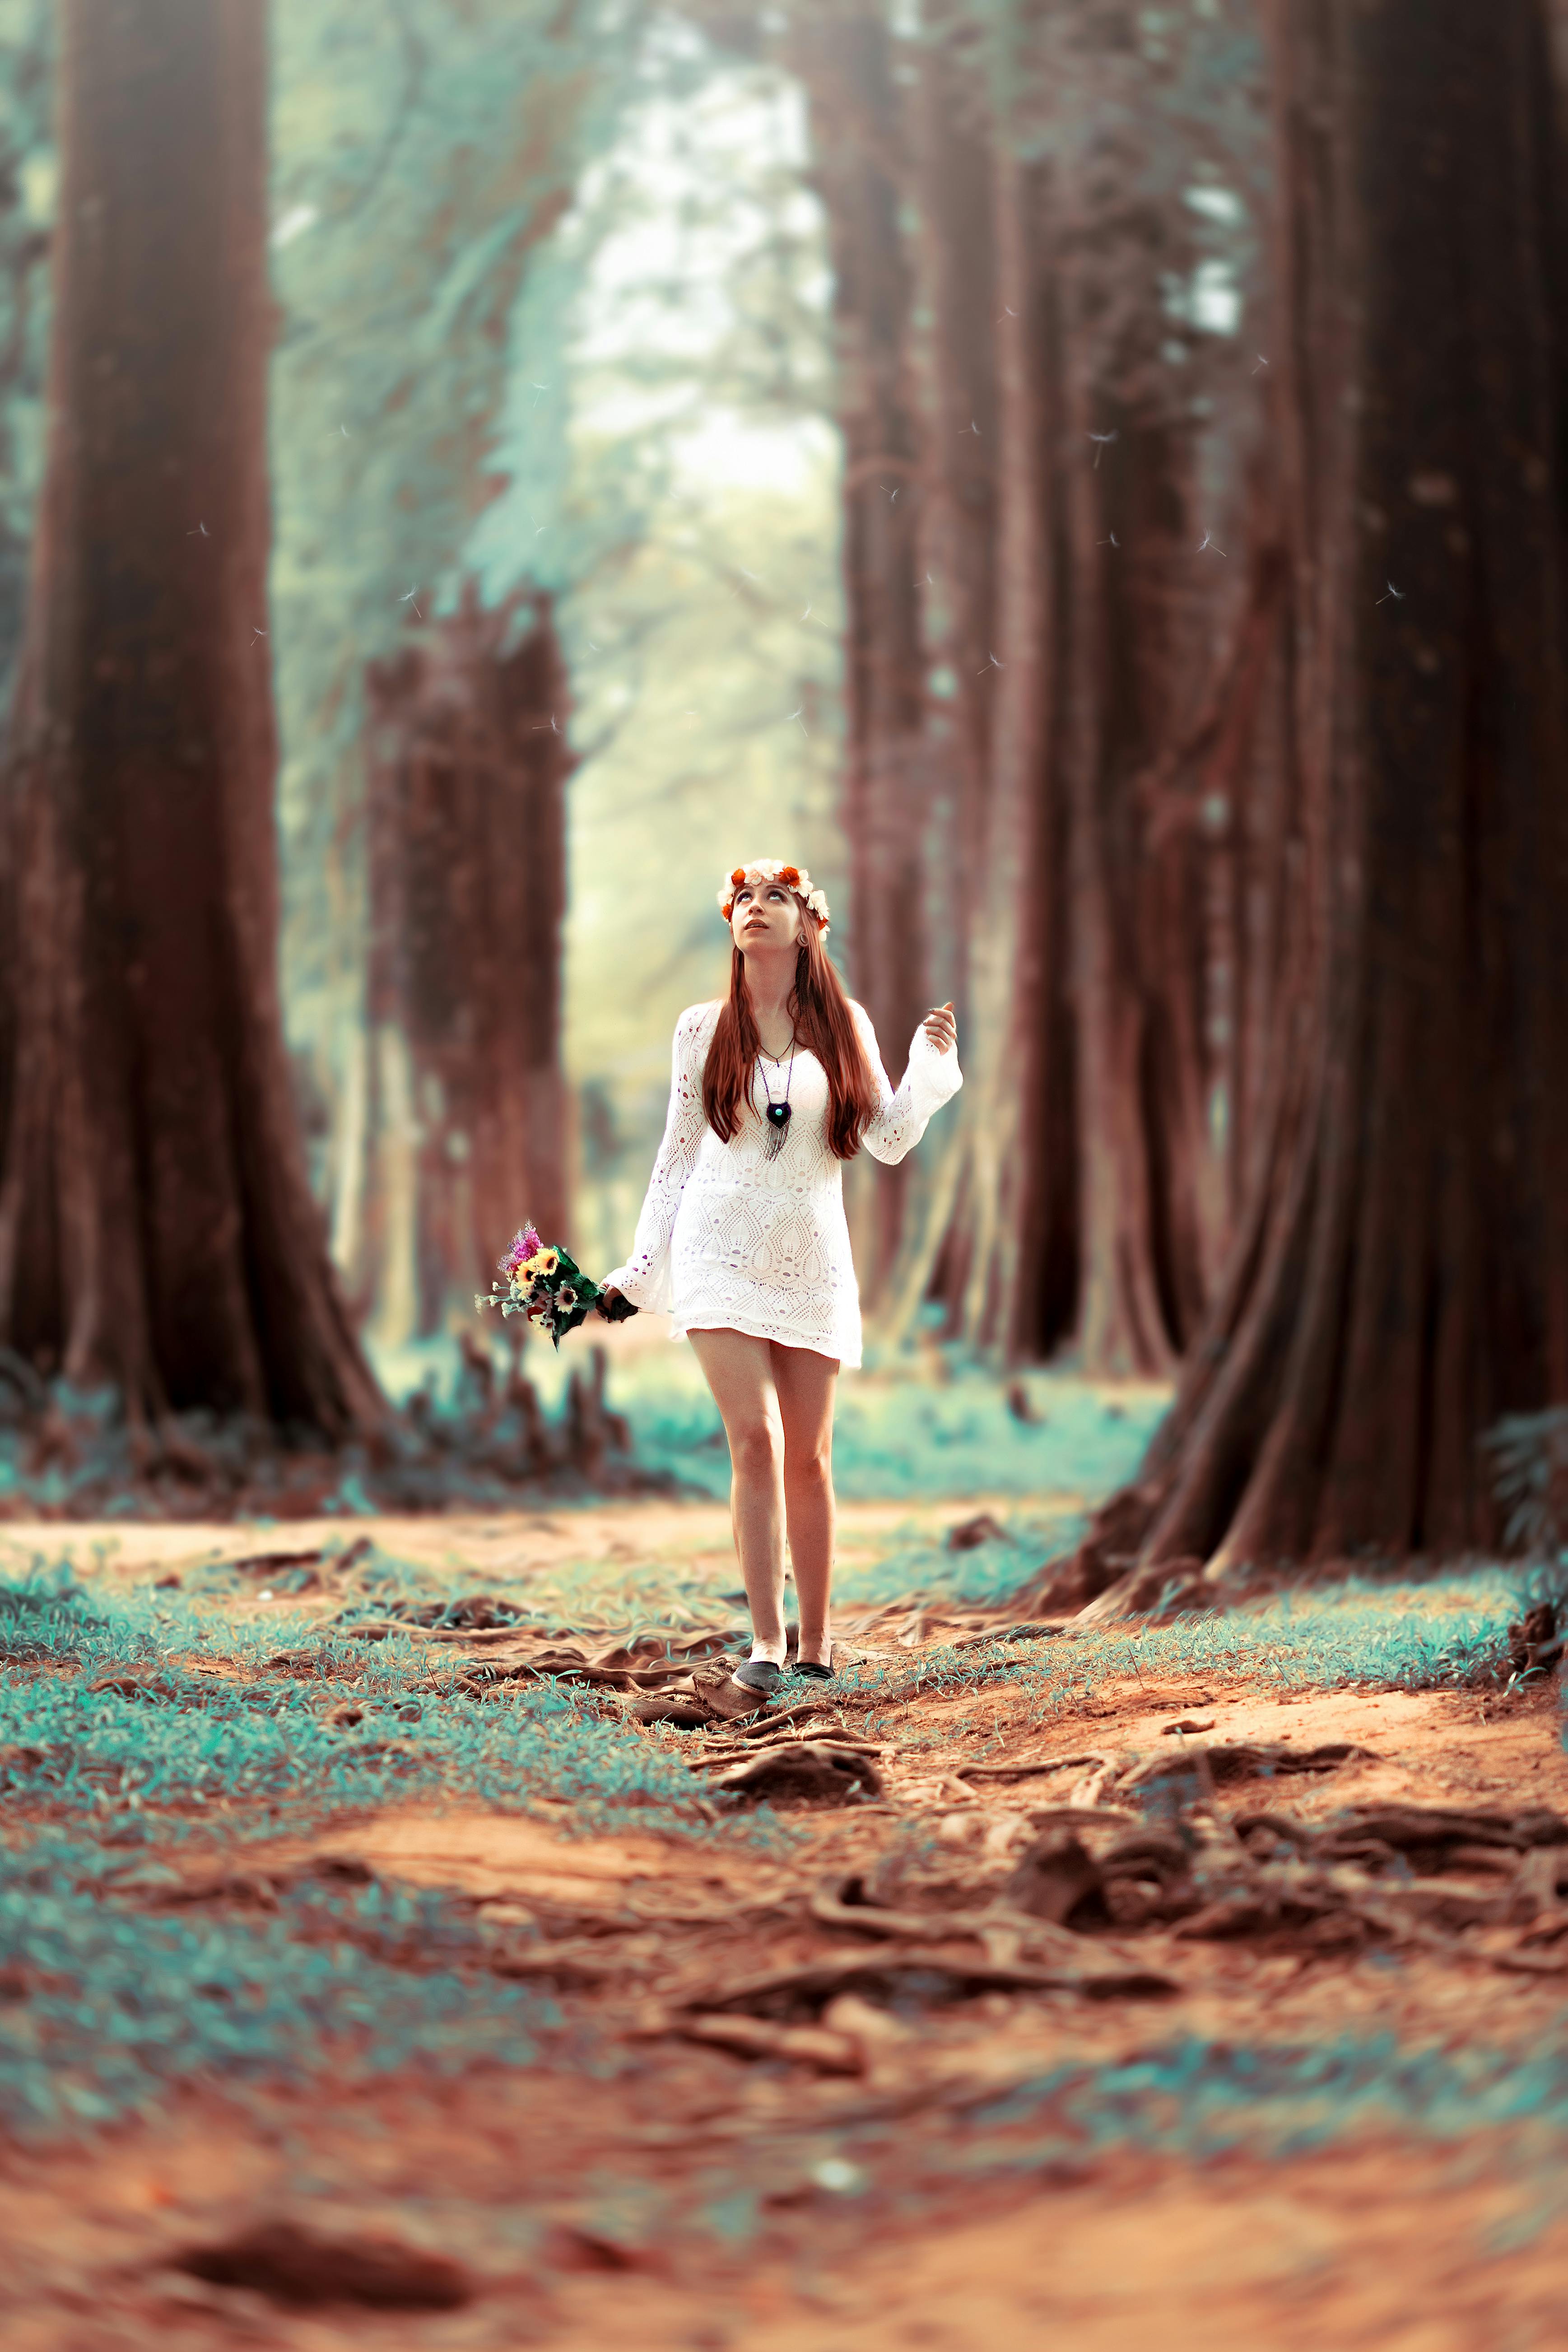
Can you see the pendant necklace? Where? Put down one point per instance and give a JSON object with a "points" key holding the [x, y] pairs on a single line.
{"points": [[777, 1113]]}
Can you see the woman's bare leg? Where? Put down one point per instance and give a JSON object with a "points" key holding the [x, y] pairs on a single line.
{"points": [[805, 1383], [740, 1371]]}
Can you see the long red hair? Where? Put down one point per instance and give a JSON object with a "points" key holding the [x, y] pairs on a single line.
{"points": [[823, 1024]]}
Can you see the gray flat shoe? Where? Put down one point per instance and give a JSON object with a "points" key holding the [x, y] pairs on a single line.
{"points": [[817, 1674], [759, 1675]]}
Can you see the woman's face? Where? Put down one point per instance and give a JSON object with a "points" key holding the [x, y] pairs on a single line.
{"points": [[765, 915]]}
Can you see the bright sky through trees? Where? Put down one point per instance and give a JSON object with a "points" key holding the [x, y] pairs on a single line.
{"points": [[673, 473]]}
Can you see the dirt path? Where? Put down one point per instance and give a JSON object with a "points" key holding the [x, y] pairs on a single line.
{"points": [[685, 1536], [893, 2076]]}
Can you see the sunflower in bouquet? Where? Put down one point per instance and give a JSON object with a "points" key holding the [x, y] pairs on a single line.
{"points": [[544, 1282]]}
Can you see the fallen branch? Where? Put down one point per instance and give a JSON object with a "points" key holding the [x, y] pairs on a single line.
{"points": [[756, 2037], [1020, 1771], [815, 1981], [879, 1919]]}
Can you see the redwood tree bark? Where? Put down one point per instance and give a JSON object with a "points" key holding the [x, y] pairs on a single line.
{"points": [[1402, 1277], [468, 770], [156, 1227], [996, 1237], [1015, 932], [949, 168], [857, 132]]}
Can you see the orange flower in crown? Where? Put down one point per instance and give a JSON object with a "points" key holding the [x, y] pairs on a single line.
{"points": [[773, 869]]}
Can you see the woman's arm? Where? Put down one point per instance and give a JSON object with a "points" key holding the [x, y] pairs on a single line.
{"points": [[932, 1078], [644, 1277]]}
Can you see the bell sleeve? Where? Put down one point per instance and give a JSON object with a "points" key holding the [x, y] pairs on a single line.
{"points": [[644, 1277], [901, 1119]]}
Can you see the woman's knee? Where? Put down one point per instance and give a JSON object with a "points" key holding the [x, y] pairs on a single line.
{"points": [[756, 1447], [809, 1459]]}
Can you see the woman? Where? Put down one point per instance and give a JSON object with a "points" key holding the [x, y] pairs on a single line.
{"points": [[743, 1237]]}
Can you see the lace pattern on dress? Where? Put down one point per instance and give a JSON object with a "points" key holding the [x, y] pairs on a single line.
{"points": [[732, 1239]]}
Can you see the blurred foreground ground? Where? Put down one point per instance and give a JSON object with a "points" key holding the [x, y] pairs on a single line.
{"points": [[340, 1904]]}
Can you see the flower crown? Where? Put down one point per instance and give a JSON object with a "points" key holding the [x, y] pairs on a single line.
{"points": [[773, 869]]}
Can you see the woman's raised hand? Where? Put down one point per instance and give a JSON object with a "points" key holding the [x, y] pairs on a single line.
{"points": [[941, 1028]]}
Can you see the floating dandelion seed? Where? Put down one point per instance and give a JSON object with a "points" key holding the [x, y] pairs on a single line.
{"points": [[256, 632], [1102, 438], [991, 663], [411, 595], [1112, 542], [795, 715], [1397, 593], [744, 573], [1262, 362], [1208, 541], [806, 615], [591, 646], [971, 427], [203, 529], [345, 431], [1006, 311]]}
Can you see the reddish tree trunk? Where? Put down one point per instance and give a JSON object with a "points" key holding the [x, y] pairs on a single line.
{"points": [[156, 1228], [1012, 1213], [957, 596], [950, 167], [468, 762], [1121, 1323], [1402, 1277], [856, 130]]}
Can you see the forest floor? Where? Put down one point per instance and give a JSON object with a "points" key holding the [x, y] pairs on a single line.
{"points": [[386, 1914]]}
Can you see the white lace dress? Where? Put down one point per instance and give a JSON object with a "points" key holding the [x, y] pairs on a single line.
{"points": [[730, 1239]]}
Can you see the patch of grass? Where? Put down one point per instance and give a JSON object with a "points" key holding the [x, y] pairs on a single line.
{"points": [[1448, 1633], [198, 1737], [111, 2010], [912, 1565], [897, 1434], [1199, 2098]]}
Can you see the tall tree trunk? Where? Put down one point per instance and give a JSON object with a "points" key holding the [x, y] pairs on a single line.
{"points": [[1121, 1324], [957, 593], [467, 769], [156, 1228], [1016, 936], [951, 156], [1402, 1278], [858, 137]]}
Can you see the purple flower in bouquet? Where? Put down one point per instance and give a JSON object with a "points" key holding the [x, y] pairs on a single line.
{"points": [[524, 1245]]}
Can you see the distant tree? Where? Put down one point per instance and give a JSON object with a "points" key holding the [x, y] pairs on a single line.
{"points": [[468, 1128], [1032, 740], [156, 1227], [1401, 1277], [844, 57]]}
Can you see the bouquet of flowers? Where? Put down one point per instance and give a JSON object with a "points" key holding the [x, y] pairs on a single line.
{"points": [[547, 1284]]}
